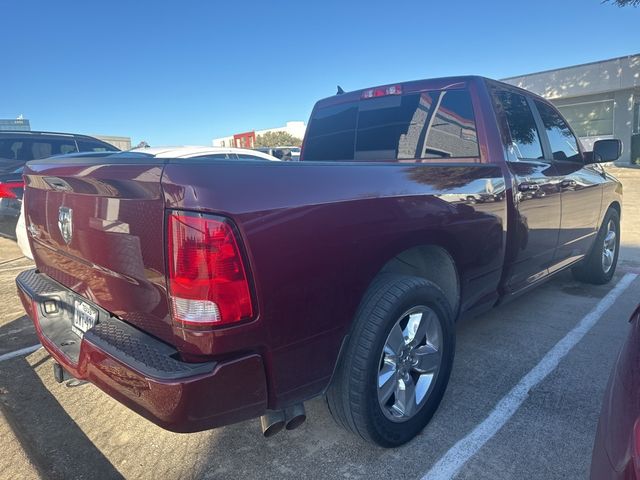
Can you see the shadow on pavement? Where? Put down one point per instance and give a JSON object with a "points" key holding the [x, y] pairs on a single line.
{"points": [[49, 436], [19, 333], [8, 228]]}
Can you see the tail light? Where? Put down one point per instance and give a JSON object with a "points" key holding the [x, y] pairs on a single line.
{"points": [[208, 282], [382, 91], [7, 189]]}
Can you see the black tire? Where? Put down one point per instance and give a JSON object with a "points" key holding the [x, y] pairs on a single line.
{"points": [[353, 394], [591, 269]]}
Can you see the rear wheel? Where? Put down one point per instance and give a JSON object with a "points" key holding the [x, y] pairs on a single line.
{"points": [[395, 369], [599, 266]]}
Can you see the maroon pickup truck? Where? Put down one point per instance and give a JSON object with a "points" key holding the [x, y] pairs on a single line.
{"points": [[204, 291]]}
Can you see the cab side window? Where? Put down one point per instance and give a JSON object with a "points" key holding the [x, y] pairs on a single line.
{"points": [[246, 156], [215, 156], [525, 138], [564, 145]]}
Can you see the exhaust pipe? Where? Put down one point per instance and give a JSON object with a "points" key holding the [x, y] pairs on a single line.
{"points": [[295, 416], [272, 422]]}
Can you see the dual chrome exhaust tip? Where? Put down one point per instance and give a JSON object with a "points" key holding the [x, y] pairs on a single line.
{"points": [[274, 421]]}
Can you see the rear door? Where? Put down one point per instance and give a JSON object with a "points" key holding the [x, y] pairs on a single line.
{"points": [[536, 220], [581, 186]]}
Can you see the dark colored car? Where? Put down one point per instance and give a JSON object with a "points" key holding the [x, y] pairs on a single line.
{"points": [[291, 154], [17, 148], [616, 453], [202, 293], [11, 188]]}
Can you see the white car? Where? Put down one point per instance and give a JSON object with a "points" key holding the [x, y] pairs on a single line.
{"points": [[213, 153], [21, 235]]}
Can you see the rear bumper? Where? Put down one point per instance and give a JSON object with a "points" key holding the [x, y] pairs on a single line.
{"points": [[140, 371]]}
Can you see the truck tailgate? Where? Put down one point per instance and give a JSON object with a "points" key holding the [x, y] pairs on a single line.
{"points": [[97, 227]]}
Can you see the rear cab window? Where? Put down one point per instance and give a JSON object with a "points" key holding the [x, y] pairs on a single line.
{"points": [[414, 127]]}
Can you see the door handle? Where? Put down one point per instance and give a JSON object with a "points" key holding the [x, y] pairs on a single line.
{"points": [[568, 183], [528, 187]]}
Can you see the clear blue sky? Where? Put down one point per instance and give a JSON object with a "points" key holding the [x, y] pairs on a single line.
{"points": [[186, 72]]}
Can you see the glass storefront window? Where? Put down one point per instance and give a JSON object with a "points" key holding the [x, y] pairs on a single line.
{"points": [[589, 119]]}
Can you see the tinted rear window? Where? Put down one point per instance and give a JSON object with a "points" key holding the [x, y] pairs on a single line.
{"points": [[25, 149], [437, 124], [331, 134]]}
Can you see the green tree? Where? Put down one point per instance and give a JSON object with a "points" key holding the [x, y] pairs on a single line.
{"points": [[277, 139], [623, 3]]}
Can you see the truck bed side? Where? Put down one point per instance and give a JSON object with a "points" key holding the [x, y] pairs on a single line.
{"points": [[318, 233]]}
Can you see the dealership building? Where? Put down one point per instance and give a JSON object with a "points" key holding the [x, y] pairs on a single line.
{"points": [[248, 139], [599, 99]]}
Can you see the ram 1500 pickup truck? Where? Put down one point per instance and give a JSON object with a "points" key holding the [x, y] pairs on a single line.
{"points": [[205, 291]]}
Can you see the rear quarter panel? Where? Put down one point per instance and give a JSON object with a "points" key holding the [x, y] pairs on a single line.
{"points": [[316, 234]]}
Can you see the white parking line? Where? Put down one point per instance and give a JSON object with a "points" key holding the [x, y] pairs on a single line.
{"points": [[450, 464], [18, 353]]}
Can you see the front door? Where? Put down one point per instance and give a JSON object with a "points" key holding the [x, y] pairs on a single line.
{"points": [[536, 221], [581, 185]]}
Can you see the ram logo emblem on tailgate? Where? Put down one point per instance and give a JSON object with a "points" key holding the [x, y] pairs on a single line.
{"points": [[65, 218]]}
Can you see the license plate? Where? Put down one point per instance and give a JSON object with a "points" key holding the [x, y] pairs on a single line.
{"points": [[84, 317]]}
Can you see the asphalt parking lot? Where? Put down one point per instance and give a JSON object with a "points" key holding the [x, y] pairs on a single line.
{"points": [[73, 430]]}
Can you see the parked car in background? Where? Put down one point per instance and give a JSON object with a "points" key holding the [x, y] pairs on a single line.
{"points": [[201, 153], [205, 153], [202, 291], [616, 451], [11, 188], [21, 234], [17, 148], [290, 154]]}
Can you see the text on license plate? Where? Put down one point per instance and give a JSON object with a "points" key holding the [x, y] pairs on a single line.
{"points": [[84, 317]]}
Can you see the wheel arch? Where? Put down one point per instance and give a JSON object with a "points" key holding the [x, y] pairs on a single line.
{"points": [[415, 261], [616, 206], [432, 262]]}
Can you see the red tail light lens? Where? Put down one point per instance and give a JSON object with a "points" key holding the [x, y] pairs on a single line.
{"points": [[7, 189], [207, 279]]}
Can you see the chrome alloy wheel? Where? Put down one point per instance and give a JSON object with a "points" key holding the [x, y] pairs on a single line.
{"points": [[409, 363], [609, 247]]}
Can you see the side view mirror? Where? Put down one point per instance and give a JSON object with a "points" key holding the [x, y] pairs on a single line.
{"points": [[606, 150]]}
